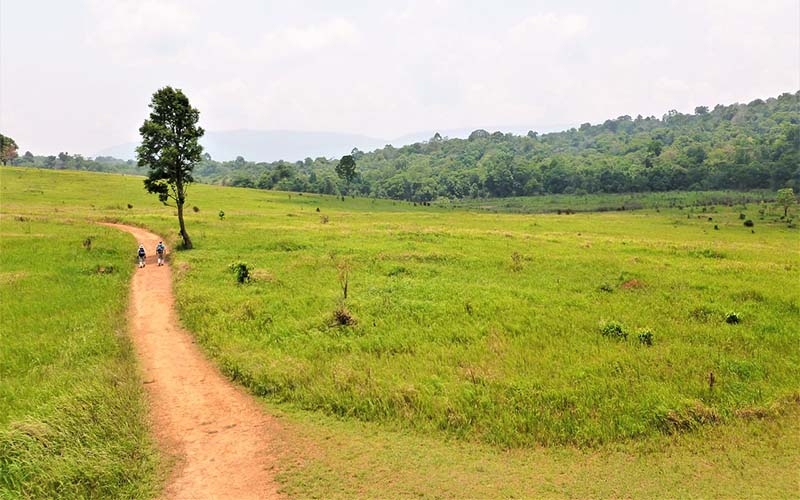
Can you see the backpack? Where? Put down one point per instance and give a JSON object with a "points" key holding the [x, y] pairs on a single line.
{"points": [[141, 252], [160, 248]]}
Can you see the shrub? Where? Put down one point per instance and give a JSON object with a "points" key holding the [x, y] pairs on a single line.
{"points": [[742, 216], [195, 209], [749, 223], [614, 330], [605, 287], [241, 271], [130, 206], [645, 337], [343, 317], [733, 318]]}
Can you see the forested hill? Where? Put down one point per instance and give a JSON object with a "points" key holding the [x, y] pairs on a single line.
{"points": [[739, 146]]}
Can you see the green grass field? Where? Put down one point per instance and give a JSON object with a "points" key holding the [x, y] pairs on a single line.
{"points": [[475, 339], [72, 418], [609, 202]]}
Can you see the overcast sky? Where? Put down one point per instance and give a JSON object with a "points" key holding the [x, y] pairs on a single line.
{"points": [[77, 75]]}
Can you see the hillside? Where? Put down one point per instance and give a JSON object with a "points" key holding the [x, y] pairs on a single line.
{"points": [[737, 146]]}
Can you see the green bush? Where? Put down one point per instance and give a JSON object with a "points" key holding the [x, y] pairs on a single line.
{"points": [[645, 337], [733, 318], [614, 330], [241, 271]]}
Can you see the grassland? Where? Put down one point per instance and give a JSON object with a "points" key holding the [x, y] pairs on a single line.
{"points": [[72, 418], [560, 203], [475, 349]]}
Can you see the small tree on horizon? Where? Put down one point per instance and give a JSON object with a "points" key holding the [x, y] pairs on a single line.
{"points": [[346, 169], [786, 199], [170, 148], [8, 149]]}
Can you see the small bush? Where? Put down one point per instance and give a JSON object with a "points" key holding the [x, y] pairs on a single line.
{"points": [[195, 209], [241, 271], [605, 287], [343, 317], [317, 209], [733, 318], [749, 223], [645, 337], [742, 216], [130, 206], [614, 330]]}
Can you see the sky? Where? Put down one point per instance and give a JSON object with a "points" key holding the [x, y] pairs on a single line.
{"points": [[77, 75]]}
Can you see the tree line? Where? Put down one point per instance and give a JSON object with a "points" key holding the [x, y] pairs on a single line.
{"points": [[737, 146]]}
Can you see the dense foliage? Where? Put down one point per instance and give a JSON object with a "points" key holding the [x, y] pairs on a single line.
{"points": [[170, 149], [740, 146]]}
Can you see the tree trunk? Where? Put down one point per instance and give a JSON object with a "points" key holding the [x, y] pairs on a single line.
{"points": [[187, 242]]}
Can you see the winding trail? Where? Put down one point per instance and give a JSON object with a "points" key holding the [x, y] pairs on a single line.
{"points": [[217, 434]]}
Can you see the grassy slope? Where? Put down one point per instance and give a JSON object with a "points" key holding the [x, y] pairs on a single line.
{"points": [[526, 366], [72, 416], [607, 202]]}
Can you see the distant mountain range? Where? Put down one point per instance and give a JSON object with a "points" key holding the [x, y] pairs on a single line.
{"points": [[292, 145]]}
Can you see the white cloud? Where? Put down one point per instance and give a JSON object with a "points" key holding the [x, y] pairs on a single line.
{"points": [[383, 70], [548, 28], [138, 31]]}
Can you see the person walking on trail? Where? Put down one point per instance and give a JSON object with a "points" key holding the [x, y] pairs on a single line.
{"points": [[160, 253], [142, 256]]}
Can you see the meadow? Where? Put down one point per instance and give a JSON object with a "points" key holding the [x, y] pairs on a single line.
{"points": [[568, 203], [72, 417], [486, 341]]}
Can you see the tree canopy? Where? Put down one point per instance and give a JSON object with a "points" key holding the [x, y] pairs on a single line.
{"points": [[170, 149], [8, 149], [737, 146]]}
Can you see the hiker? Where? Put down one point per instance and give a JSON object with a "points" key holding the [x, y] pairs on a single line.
{"points": [[160, 253], [141, 255]]}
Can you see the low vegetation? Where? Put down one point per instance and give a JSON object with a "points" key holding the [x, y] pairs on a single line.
{"points": [[72, 415], [477, 339]]}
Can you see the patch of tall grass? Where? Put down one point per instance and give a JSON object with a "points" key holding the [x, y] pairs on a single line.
{"points": [[73, 421]]}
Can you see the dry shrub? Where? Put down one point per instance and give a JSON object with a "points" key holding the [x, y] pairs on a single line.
{"points": [[343, 317], [632, 284]]}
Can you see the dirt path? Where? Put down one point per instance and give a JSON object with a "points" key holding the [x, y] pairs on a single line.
{"points": [[216, 432]]}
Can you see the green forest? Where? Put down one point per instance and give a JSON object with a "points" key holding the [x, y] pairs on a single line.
{"points": [[738, 146]]}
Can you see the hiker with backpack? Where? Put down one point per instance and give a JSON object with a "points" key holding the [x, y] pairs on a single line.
{"points": [[160, 249], [142, 256]]}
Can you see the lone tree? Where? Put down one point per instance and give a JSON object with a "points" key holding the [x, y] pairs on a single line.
{"points": [[8, 149], [346, 168], [170, 149], [786, 199]]}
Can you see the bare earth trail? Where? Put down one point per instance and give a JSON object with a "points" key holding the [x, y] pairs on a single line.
{"points": [[217, 433]]}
